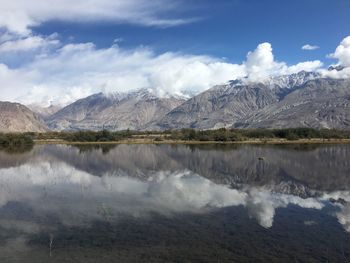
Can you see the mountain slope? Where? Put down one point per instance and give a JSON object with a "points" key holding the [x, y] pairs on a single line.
{"points": [[73, 114], [135, 110], [296, 100], [320, 103], [285, 84], [15, 117], [219, 107]]}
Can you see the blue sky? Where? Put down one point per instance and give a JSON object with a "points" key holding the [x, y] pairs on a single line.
{"points": [[56, 51], [228, 28]]}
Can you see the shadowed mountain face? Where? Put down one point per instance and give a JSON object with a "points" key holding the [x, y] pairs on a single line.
{"points": [[288, 101], [15, 117], [136, 111], [320, 103]]}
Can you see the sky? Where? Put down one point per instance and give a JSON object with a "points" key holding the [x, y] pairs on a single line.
{"points": [[57, 51]]}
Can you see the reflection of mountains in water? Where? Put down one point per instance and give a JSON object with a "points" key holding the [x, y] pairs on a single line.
{"points": [[58, 190], [293, 169], [79, 187]]}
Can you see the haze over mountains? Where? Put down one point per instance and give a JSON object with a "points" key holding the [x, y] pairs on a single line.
{"points": [[304, 99]]}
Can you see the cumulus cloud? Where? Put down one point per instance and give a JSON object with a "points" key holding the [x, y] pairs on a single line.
{"points": [[342, 54], [260, 64], [306, 66], [60, 73], [309, 47], [78, 70], [20, 15]]}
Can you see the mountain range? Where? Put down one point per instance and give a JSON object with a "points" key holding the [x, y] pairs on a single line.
{"points": [[304, 99]]}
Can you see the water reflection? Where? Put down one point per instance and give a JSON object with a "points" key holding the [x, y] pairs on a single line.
{"points": [[55, 188]]}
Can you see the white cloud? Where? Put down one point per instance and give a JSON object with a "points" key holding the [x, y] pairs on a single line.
{"points": [[309, 47], [342, 52], [18, 44], [63, 73], [20, 15], [261, 64], [335, 74], [306, 66], [78, 70]]}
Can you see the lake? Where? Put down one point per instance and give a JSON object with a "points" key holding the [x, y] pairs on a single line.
{"points": [[175, 203]]}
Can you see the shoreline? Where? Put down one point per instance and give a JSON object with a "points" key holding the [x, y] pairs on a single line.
{"points": [[152, 141]]}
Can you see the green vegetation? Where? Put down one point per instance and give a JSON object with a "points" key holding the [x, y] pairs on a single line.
{"points": [[225, 135], [85, 136], [220, 135], [16, 143], [11, 140]]}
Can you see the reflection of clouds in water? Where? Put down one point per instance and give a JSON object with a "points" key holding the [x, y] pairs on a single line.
{"points": [[187, 191], [342, 199], [70, 192], [344, 216], [262, 204], [30, 181], [78, 198]]}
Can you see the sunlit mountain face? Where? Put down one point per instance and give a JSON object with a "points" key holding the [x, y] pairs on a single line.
{"points": [[158, 202]]}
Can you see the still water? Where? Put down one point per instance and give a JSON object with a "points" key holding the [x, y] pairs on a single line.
{"points": [[175, 203]]}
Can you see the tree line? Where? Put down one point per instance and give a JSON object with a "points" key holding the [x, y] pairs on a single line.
{"points": [[248, 134], [221, 135], [15, 139], [16, 143]]}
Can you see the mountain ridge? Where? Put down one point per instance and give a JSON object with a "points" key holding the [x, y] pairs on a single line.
{"points": [[304, 99], [134, 110]]}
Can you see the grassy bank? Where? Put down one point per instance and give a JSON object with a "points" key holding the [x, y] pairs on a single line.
{"points": [[152, 141], [190, 136]]}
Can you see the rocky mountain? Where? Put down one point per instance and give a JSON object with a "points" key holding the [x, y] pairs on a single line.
{"points": [[15, 117], [223, 106], [83, 110], [304, 99], [319, 103], [136, 110], [283, 85], [219, 107]]}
